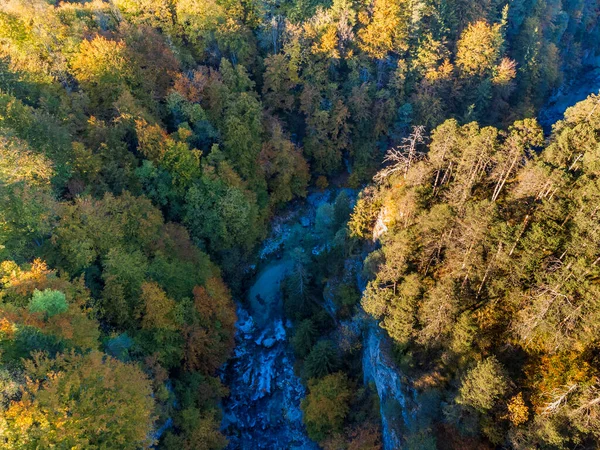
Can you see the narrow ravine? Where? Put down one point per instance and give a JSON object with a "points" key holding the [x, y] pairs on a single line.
{"points": [[567, 96], [263, 408]]}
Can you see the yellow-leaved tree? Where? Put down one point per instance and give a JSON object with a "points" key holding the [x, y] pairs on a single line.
{"points": [[80, 401]]}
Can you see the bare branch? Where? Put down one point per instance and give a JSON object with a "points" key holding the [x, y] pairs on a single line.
{"points": [[559, 398], [401, 159]]}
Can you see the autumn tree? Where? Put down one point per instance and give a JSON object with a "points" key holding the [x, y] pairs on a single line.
{"points": [[37, 301], [158, 309], [103, 69], [479, 48], [385, 28], [80, 400], [326, 405], [284, 166], [209, 338]]}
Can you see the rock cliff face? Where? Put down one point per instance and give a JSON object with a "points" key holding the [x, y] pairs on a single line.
{"points": [[396, 398]]}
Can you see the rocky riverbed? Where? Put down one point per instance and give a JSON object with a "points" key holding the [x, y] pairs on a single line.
{"points": [[263, 409]]}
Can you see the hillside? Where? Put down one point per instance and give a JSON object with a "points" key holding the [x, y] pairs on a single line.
{"points": [[344, 209]]}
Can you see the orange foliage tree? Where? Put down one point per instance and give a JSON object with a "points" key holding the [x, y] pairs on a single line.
{"points": [[209, 339]]}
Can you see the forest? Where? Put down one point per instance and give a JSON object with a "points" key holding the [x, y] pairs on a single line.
{"points": [[148, 146]]}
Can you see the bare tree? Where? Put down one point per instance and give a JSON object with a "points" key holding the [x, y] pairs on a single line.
{"points": [[559, 398], [401, 159]]}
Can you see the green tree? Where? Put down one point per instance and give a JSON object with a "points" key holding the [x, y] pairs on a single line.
{"points": [[483, 385], [304, 338], [224, 216], [242, 135], [49, 302], [324, 221], [322, 360], [281, 77]]}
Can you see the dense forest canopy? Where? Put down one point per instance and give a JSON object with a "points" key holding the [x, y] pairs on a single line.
{"points": [[146, 144], [487, 276]]}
